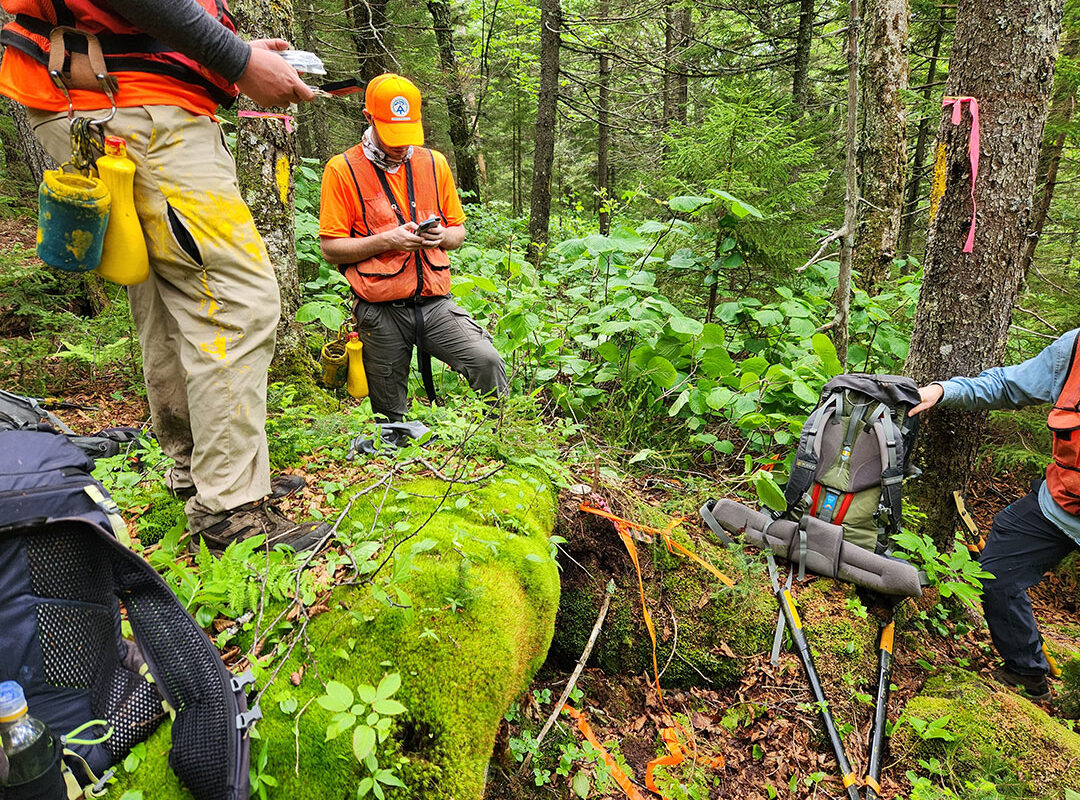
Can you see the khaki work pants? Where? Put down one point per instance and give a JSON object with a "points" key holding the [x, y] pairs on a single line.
{"points": [[208, 313], [388, 332]]}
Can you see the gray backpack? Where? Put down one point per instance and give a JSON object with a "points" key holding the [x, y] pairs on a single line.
{"points": [[844, 492]]}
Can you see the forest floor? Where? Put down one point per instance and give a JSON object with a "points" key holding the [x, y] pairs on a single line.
{"points": [[774, 741], [772, 745]]}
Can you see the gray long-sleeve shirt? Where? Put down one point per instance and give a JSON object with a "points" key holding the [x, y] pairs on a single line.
{"points": [[185, 25], [1038, 380]]}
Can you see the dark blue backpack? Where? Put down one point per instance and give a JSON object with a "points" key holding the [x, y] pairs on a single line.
{"points": [[65, 571]]}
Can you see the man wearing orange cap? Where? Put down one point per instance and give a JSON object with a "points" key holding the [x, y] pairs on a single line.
{"points": [[390, 212]]}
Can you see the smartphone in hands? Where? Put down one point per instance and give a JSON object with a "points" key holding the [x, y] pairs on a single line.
{"points": [[427, 225]]}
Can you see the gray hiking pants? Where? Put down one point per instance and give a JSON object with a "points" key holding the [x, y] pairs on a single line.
{"points": [[388, 331]]}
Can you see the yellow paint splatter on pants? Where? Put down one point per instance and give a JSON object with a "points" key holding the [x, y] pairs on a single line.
{"points": [[283, 174], [217, 348]]}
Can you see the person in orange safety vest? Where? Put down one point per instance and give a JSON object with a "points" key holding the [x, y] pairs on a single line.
{"points": [[389, 215]]}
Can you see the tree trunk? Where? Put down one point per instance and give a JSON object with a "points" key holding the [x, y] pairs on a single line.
{"points": [[468, 174], [882, 155], [33, 154], [676, 37], [1003, 54], [842, 298], [800, 85], [313, 124], [544, 148], [914, 186], [265, 156], [603, 140], [370, 34], [1061, 111]]}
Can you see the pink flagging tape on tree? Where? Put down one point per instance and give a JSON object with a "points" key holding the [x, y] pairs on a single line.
{"points": [[288, 119], [957, 104]]}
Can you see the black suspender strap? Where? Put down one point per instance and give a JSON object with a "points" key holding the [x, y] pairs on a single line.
{"points": [[423, 357]]}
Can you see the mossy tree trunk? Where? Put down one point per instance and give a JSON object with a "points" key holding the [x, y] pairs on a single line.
{"points": [[881, 154], [265, 157], [461, 132], [1003, 55], [676, 39]]}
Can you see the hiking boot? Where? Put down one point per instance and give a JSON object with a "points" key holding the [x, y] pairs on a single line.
{"points": [[280, 486], [257, 518], [1034, 687]]}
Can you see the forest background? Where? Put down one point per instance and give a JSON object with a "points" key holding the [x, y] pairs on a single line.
{"points": [[684, 217]]}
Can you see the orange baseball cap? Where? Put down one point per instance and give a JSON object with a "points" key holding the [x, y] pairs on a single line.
{"points": [[394, 104]]}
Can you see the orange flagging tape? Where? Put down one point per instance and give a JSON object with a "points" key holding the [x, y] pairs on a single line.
{"points": [[616, 771], [664, 534], [675, 756]]}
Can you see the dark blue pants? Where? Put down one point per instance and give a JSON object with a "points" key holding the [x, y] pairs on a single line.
{"points": [[1023, 545]]}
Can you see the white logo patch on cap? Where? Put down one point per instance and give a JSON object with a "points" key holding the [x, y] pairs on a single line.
{"points": [[399, 107]]}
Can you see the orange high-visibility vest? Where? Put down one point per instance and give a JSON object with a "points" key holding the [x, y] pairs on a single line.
{"points": [[125, 47], [396, 274], [1063, 473]]}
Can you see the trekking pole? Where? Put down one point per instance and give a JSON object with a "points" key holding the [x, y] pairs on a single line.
{"points": [[881, 708], [794, 624]]}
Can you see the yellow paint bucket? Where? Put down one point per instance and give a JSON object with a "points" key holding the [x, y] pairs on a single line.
{"points": [[73, 213]]}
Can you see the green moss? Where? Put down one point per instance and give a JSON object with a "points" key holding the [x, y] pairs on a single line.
{"points": [[999, 735], [712, 620], [482, 602]]}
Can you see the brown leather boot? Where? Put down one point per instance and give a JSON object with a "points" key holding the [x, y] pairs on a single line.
{"points": [[255, 518]]}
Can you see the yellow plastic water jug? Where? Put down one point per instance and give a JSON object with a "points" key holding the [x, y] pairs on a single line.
{"points": [[357, 381], [123, 255]]}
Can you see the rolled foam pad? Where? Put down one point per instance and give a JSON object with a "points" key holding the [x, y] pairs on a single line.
{"points": [[880, 573], [826, 552]]}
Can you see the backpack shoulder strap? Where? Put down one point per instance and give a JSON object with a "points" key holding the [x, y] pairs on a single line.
{"points": [[807, 456]]}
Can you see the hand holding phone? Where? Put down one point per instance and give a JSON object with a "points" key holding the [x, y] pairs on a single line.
{"points": [[427, 225]]}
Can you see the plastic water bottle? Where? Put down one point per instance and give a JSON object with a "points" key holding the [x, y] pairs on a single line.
{"points": [[33, 758], [123, 254]]}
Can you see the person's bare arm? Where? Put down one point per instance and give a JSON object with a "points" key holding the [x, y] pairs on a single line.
{"points": [[448, 238], [929, 395]]}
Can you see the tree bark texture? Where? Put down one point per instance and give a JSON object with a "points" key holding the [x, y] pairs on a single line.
{"points": [[265, 156], [881, 155], [468, 174], [370, 35], [914, 185], [33, 154], [842, 297], [544, 147], [1061, 111], [1003, 54], [800, 83]]}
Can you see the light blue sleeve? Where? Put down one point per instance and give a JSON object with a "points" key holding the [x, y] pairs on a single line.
{"points": [[1037, 380]]}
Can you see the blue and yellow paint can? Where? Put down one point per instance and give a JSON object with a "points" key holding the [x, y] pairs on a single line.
{"points": [[73, 213]]}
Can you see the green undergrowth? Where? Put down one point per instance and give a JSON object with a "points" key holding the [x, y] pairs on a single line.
{"points": [[464, 616], [960, 733]]}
